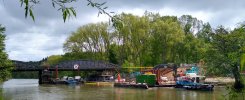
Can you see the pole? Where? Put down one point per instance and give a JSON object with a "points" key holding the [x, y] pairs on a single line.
{"points": [[40, 76], [78, 71], [56, 72]]}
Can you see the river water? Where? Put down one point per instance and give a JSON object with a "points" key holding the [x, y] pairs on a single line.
{"points": [[28, 89]]}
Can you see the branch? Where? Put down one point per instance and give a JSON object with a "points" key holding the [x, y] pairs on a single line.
{"points": [[67, 12]]}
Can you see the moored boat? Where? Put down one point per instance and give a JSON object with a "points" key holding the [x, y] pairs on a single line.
{"points": [[71, 80], [207, 87], [193, 82]]}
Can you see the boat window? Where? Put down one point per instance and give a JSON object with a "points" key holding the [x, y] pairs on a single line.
{"points": [[197, 80]]}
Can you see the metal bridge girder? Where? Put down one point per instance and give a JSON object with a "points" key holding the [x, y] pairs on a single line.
{"points": [[66, 65]]}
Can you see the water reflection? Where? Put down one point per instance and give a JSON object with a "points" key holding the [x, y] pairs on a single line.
{"points": [[30, 90]]}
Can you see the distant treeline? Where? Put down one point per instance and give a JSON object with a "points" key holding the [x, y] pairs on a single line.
{"points": [[27, 74]]}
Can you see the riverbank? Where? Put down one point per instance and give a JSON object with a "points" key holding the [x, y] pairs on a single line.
{"points": [[220, 80]]}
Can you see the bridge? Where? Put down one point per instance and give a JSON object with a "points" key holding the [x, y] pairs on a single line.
{"points": [[81, 65], [66, 65]]}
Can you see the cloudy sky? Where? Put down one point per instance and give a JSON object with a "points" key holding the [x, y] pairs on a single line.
{"points": [[32, 41]]}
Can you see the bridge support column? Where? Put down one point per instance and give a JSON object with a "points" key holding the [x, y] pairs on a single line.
{"points": [[40, 76]]}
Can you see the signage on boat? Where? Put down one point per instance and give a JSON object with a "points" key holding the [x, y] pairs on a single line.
{"points": [[76, 66]]}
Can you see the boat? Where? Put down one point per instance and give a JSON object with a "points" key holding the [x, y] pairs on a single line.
{"points": [[71, 80], [193, 82], [207, 87]]}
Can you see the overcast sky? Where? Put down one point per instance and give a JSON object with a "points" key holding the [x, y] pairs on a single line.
{"points": [[32, 41]]}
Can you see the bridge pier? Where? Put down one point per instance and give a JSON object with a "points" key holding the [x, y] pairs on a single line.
{"points": [[40, 77]]}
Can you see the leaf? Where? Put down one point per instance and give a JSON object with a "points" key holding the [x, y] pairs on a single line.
{"points": [[73, 12], [99, 13], [60, 9], [26, 7], [68, 12], [21, 2], [26, 11], [64, 15], [26, 2], [92, 4], [103, 3], [88, 4], [53, 4], [31, 14]]}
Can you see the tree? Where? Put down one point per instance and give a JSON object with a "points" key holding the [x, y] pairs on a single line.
{"points": [[205, 33], [54, 59], [190, 24], [112, 56], [227, 49], [93, 38], [167, 34], [193, 47], [132, 37], [243, 62], [5, 63]]}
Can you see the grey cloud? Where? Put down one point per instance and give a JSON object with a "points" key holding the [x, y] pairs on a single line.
{"points": [[28, 45], [193, 5]]}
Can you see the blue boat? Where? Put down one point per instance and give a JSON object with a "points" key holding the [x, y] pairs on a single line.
{"points": [[193, 82], [205, 87], [71, 80]]}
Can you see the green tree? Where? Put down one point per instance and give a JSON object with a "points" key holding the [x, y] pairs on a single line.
{"points": [[5, 63], [227, 49], [113, 54], [91, 38], [53, 59], [205, 33], [132, 37], [167, 34], [193, 47], [190, 24], [243, 62]]}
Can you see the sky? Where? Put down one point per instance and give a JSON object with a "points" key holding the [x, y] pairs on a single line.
{"points": [[32, 41]]}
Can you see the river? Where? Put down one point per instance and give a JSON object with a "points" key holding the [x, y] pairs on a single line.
{"points": [[28, 89]]}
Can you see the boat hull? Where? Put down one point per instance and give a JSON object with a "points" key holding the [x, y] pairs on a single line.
{"points": [[199, 87]]}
